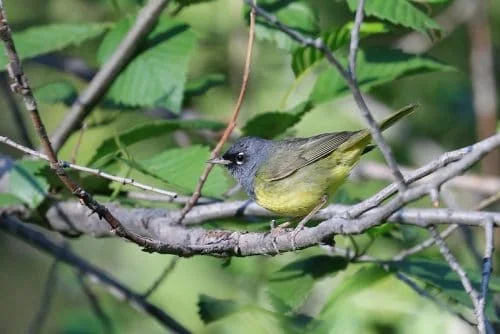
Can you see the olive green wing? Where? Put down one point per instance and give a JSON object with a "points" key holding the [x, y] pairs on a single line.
{"points": [[294, 154]]}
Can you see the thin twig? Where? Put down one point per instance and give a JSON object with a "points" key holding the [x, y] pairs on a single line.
{"points": [[232, 122], [109, 71], [164, 274], [74, 154], [466, 283], [103, 318], [320, 45], [115, 287], [445, 233], [21, 86], [47, 297], [94, 171], [353, 47], [486, 273]]}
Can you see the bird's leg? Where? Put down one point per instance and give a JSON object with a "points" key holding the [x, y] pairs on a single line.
{"points": [[275, 231], [304, 220]]}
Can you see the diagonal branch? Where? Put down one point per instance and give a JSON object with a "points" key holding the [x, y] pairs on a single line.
{"points": [[104, 78], [232, 122]]}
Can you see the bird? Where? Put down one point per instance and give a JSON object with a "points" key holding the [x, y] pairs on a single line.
{"points": [[294, 177]]}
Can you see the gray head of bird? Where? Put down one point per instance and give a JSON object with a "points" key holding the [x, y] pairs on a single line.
{"points": [[244, 158]]}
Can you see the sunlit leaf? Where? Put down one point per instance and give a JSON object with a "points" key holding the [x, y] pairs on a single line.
{"points": [[57, 92], [183, 166], [27, 183], [374, 67], [7, 199], [39, 40], [273, 123], [157, 74]]}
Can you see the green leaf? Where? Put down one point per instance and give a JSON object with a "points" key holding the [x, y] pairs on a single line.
{"points": [[430, 1], [26, 182], [44, 39], [398, 12], [183, 166], [57, 92], [290, 286], [305, 57], [212, 309], [440, 275], [157, 74], [7, 199], [297, 15], [150, 130], [271, 124], [374, 68], [201, 85]]}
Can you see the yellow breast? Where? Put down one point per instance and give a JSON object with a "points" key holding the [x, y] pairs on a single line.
{"points": [[297, 194]]}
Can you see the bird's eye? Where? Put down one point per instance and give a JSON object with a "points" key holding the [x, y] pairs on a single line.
{"points": [[240, 157]]}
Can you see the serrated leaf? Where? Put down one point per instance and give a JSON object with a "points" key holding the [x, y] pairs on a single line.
{"points": [[57, 92], [440, 275], [295, 14], [182, 167], [374, 68], [49, 38], [305, 57], [157, 74], [290, 286], [398, 12], [150, 130], [27, 183], [273, 123], [201, 85]]}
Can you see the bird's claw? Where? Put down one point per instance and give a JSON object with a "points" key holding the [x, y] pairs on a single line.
{"points": [[275, 232]]}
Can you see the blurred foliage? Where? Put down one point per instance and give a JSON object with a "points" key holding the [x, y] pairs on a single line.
{"points": [[182, 83]]}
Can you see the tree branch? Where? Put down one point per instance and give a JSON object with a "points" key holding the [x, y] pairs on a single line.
{"points": [[122, 292], [104, 78]]}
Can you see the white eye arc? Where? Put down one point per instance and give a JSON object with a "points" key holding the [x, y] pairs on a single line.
{"points": [[240, 157]]}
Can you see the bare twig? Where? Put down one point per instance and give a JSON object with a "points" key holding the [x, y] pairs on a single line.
{"points": [[320, 45], [21, 86], [353, 47], [487, 269], [483, 82], [164, 198], [104, 78], [232, 122], [455, 266], [103, 318], [47, 297], [97, 172], [116, 288], [14, 109], [164, 274]]}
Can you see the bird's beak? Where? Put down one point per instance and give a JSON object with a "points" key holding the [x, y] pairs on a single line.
{"points": [[219, 161]]}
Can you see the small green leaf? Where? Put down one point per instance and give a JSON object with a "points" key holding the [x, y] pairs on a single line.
{"points": [[39, 40], [150, 130], [57, 92], [27, 183], [305, 57], [183, 166], [157, 74], [398, 12], [440, 275], [290, 286], [374, 68], [271, 124], [212, 309], [297, 15], [201, 85]]}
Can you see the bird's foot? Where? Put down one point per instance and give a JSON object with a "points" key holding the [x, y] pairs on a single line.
{"points": [[276, 231]]}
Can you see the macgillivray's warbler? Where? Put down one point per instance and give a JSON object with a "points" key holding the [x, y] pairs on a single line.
{"points": [[292, 177]]}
